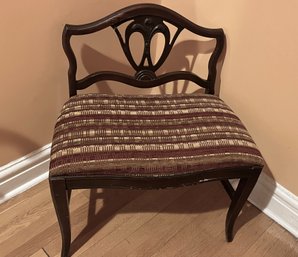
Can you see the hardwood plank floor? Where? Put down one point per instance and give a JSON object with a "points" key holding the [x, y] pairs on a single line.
{"points": [[40, 253], [160, 223]]}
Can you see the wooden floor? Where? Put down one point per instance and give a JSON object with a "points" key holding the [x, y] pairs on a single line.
{"points": [[181, 222]]}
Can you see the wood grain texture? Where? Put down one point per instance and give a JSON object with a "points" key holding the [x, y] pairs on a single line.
{"points": [[40, 253], [167, 223]]}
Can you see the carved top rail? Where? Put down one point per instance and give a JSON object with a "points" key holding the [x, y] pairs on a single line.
{"points": [[148, 20]]}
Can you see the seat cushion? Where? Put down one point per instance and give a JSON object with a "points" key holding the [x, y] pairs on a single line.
{"points": [[153, 135]]}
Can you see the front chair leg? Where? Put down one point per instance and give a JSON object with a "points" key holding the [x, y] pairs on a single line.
{"points": [[242, 192], [60, 196]]}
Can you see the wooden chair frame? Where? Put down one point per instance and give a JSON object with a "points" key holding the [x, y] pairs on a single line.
{"points": [[148, 20]]}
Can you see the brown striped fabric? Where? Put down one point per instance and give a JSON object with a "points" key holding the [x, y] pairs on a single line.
{"points": [[100, 134]]}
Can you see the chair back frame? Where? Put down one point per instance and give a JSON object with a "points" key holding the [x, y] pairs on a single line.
{"points": [[148, 20]]}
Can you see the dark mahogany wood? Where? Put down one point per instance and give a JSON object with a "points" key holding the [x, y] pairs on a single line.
{"points": [[240, 196], [61, 197], [147, 19]]}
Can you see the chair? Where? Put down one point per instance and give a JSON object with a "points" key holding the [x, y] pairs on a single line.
{"points": [[148, 141]]}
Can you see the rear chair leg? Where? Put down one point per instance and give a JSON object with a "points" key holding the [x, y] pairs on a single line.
{"points": [[68, 195], [228, 187], [242, 192], [60, 196]]}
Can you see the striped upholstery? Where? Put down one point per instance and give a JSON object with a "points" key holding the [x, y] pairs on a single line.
{"points": [[100, 134]]}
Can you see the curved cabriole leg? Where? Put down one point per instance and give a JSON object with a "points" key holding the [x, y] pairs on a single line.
{"points": [[60, 196], [242, 192]]}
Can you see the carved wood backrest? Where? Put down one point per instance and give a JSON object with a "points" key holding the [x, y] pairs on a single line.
{"points": [[147, 19]]}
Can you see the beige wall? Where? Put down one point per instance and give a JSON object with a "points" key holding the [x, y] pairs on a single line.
{"points": [[259, 77]]}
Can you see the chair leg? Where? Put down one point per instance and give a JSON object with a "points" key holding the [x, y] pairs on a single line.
{"points": [[242, 192], [228, 187], [60, 196], [68, 195]]}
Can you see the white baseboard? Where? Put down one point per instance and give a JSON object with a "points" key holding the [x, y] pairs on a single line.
{"points": [[276, 202], [23, 173], [273, 199]]}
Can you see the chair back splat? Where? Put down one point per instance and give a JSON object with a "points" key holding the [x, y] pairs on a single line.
{"points": [[147, 19], [148, 141]]}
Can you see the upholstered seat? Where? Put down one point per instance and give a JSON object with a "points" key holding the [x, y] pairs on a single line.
{"points": [[149, 136]]}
